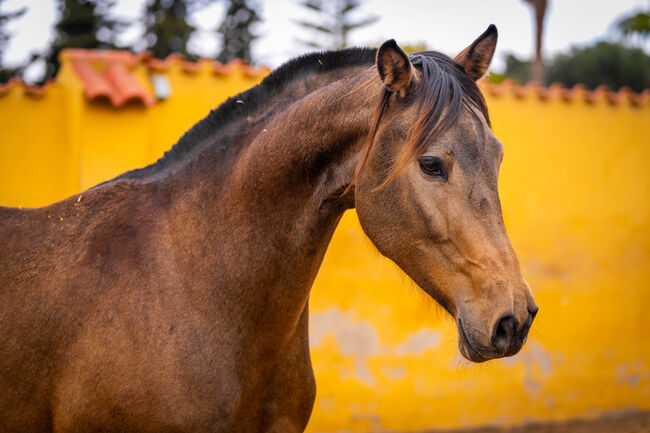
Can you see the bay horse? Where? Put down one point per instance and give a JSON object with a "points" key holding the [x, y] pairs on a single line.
{"points": [[174, 298]]}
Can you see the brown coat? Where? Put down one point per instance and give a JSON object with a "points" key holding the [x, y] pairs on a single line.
{"points": [[175, 297]]}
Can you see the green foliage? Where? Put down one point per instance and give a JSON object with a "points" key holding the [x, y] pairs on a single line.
{"points": [[166, 28], [637, 24], [83, 24], [495, 78], [5, 18], [516, 69], [237, 31], [332, 23], [604, 63], [415, 48]]}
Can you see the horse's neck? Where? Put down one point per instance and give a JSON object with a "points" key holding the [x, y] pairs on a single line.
{"points": [[264, 227]]}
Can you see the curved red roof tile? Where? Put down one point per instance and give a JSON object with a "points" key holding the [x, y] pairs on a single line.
{"points": [[93, 83], [108, 74], [115, 82], [5, 88], [105, 56], [30, 90], [191, 67], [641, 98], [624, 94], [125, 86], [37, 91], [555, 91], [157, 65], [221, 69]]}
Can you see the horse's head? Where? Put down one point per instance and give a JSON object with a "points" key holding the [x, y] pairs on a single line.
{"points": [[426, 194]]}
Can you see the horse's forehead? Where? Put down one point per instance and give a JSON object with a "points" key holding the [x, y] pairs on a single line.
{"points": [[469, 135], [472, 144]]}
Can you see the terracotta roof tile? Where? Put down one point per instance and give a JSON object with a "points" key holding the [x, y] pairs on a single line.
{"points": [[221, 69], [125, 86], [551, 92], [160, 65], [106, 74], [556, 91], [93, 82], [28, 89], [579, 91], [641, 98], [110, 74], [105, 56], [5, 88], [37, 91]]}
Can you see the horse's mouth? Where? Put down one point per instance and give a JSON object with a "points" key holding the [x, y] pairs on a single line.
{"points": [[466, 348]]}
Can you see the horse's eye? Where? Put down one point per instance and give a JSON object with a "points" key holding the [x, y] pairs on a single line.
{"points": [[433, 166]]}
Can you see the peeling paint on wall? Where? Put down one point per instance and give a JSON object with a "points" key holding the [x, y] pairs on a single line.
{"points": [[537, 365], [631, 374], [358, 339], [419, 342]]}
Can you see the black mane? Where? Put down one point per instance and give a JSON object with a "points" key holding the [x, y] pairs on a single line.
{"points": [[243, 104]]}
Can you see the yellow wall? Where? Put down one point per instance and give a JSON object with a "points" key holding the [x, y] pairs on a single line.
{"points": [[56, 145], [35, 163], [575, 188]]}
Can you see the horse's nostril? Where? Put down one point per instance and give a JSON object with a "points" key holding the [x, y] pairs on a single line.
{"points": [[504, 333]]}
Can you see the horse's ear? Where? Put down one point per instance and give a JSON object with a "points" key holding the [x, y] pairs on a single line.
{"points": [[476, 58], [394, 67]]}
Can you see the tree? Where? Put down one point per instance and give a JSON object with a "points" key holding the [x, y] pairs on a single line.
{"points": [[81, 24], [516, 69], [166, 28], [537, 69], [413, 47], [635, 25], [333, 22], [5, 18], [605, 63], [236, 31]]}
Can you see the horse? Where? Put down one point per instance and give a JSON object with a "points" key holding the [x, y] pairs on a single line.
{"points": [[174, 297]]}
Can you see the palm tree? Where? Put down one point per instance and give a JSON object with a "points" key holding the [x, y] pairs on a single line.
{"points": [[332, 22], [637, 24], [537, 72]]}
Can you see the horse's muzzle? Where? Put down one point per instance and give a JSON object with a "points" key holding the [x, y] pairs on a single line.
{"points": [[507, 338]]}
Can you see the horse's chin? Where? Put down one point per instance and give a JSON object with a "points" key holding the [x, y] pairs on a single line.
{"points": [[470, 354], [469, 351]]}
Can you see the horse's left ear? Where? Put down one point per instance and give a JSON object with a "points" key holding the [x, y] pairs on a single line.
{"points": [[394, 67], [476, 58]]}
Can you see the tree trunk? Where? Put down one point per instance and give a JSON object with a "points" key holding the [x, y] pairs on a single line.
{"points": [[538, 72]]}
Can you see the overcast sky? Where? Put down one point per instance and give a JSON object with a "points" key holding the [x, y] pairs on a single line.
{"points": [[444, 25]]}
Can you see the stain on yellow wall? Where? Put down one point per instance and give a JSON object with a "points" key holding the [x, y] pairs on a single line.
{"points": [[575, 190]]}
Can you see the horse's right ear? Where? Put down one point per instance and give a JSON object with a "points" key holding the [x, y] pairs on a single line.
{"points": [[476, 58], [394, 67]]}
